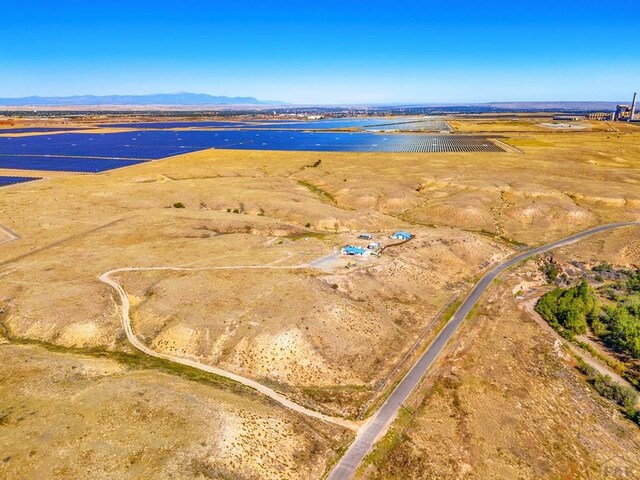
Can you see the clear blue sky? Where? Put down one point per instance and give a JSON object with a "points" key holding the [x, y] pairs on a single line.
{"points": [[326, 51]]}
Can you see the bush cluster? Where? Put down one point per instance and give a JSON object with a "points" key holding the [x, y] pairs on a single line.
{"points": [[550, 271], [624, 396], [568, 310], [571, 310]]}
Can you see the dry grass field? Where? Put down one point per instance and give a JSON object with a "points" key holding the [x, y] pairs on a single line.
{"points": [[69, 416], [510, 402], [324, 337]]}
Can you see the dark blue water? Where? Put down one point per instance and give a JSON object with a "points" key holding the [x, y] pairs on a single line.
{"points": [[12, 180]]}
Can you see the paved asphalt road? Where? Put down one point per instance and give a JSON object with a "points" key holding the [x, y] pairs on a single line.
{"points": [[381, 420]]}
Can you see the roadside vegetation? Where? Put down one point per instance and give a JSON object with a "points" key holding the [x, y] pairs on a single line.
{"points": [[550, 271], [569, 310], [623, 396], [609, 313], [615, 321]]}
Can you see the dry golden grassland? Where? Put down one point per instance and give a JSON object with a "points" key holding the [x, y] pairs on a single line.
{"points": [[70, 416], [523, 123], [511, 402], [325, 338]]}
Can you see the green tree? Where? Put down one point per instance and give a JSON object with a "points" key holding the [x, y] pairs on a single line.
{"points": [[623, 330], [567, 310], [633, 282]]}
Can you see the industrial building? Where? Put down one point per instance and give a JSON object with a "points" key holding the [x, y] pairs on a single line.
{"points": [[568, 118], [601, 116], [623, 113], [626, 113]]}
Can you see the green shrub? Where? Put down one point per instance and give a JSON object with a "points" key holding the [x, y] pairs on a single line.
{"points": [[567, 310], [622, 329], [603, 267], [550, 271], [633, 281], [622, 395]]}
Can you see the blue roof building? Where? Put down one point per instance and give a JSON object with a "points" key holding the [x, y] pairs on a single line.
{"points": [[351, 250], [402, 235]]}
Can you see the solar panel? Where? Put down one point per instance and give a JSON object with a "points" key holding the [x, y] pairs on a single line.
{"points": [[4, 180], [37, 129], [79, 152], [65, 164]]}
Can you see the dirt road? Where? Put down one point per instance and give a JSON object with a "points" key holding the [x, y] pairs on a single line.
{"points": [[7, 235], [269, 392]]}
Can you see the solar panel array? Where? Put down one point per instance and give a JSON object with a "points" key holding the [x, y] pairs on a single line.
{"points": [[430, 125], [145, 145], [64, 164], [176, 125], [5, 131], [97, 152], [437, 143], [400, 123], [4, 181]]}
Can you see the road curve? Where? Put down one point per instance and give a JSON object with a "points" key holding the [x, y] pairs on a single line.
{"points": [[382, 419], [269, 392]]}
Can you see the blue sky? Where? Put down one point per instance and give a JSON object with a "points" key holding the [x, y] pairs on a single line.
{"points": [[327, 51]]}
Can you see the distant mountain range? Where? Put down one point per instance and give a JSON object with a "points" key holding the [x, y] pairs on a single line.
{"points": [[153, 99], [194, 100]]}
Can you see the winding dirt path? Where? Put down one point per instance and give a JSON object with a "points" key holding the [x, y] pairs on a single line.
{"points": [[269, 392], [11, 234]]}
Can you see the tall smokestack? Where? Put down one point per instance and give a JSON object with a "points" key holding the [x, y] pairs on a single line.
{"points": [[633, 107]]}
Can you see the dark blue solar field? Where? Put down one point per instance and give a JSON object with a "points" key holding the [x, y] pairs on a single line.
{"points": [[97, 152], [4, 181], [65, 164], [36, 130], [324, 124], [183, 124]]}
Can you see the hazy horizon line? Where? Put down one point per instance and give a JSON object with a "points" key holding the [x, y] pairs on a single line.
{"points": [[284, 103]]}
